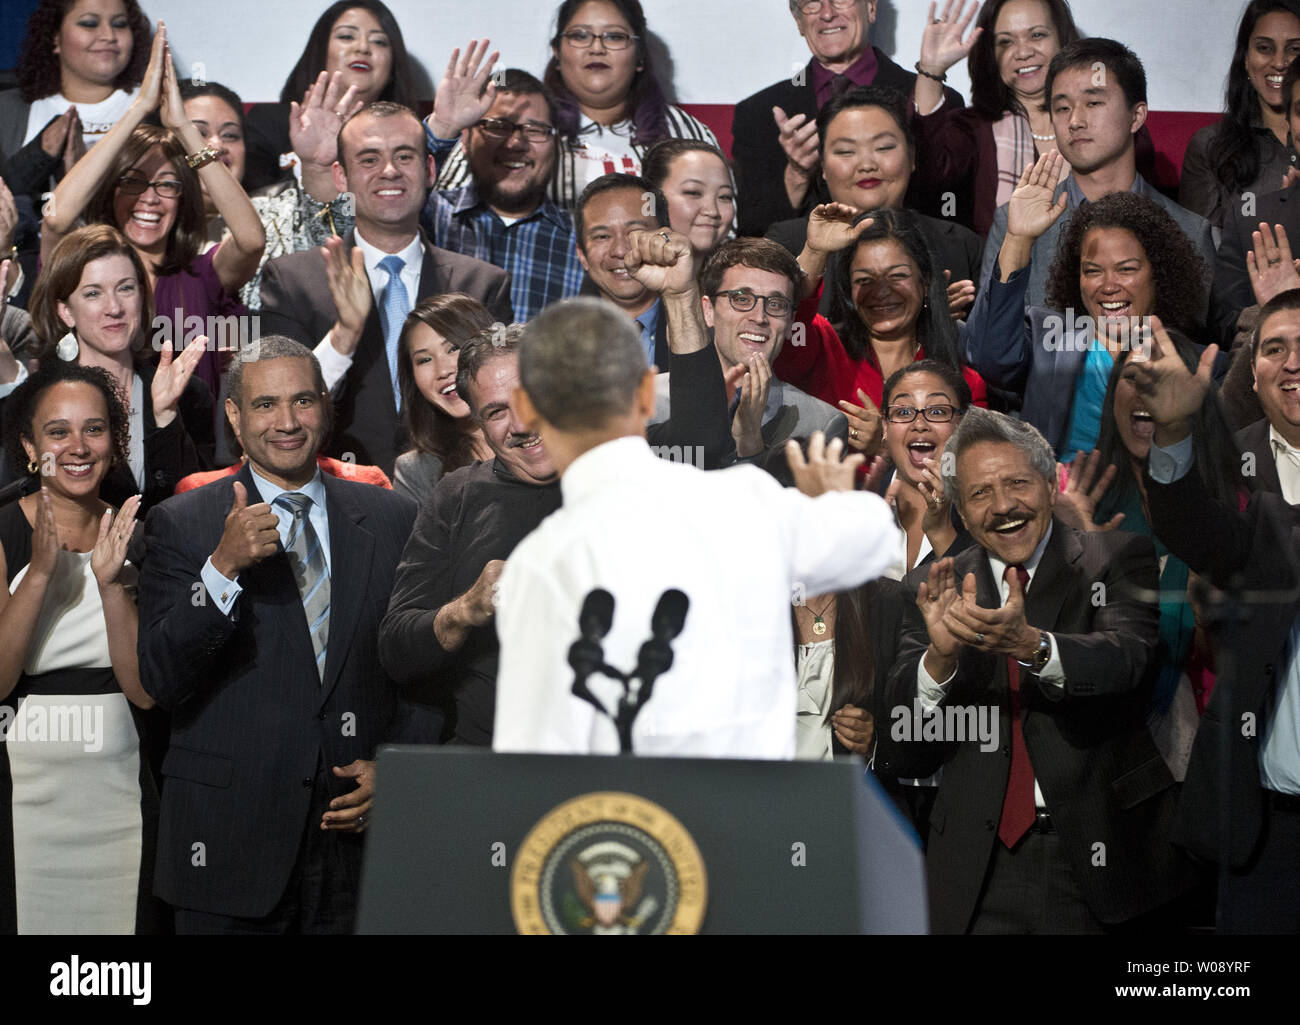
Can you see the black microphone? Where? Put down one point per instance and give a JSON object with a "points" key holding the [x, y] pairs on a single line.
{"points": [[19, 489], [586, 656], [654, 658]]}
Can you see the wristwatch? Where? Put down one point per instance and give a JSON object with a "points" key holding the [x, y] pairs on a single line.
{"points": [[1042, 654]]}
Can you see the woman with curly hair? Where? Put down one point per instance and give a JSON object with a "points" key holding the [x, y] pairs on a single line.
{"points": [[609, 105], [1247, 150], [362, 42], [1118, 261], [80, 64], [443, 434], [78, 803], [148, 182]]}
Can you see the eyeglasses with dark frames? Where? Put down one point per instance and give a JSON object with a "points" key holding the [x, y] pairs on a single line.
{"points": [[135, 185], [937, 414], [503, 128], [616, 40], [743, 300]]}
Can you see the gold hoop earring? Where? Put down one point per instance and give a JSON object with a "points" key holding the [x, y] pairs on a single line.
{"points": [[32, 467]]}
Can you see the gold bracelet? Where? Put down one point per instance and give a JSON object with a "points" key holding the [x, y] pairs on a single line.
{"points": [[202, 158]]}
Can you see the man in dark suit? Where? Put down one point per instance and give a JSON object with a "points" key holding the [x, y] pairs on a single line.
{"points": [[773, 132], [351, 306], [1055, 821], [1241, 799], [260, 602]]}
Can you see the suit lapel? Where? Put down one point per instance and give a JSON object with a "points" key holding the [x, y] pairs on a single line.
{"points": [[372, 342], [1255, 440], [1050, 586], [351, 550]]}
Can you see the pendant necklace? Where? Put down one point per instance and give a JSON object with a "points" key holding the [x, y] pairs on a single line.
{"points": [[819, 624]]}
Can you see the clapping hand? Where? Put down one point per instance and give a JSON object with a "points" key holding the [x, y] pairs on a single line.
{"points": [[108, 557], [823, 470], [350, 288], [662, 260], [935, 597], [1003, 631], [45, 539], [755, 382], [466, 92], [1031, 210], [171, 377], [866, 425], [798, 138]]}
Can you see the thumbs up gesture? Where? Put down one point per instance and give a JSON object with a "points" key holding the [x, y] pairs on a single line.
{"points": [[251, 535]]}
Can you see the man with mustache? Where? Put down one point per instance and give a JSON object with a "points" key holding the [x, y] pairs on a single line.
{"points": [[1251, 729], [439, 637], [1061, 827]]}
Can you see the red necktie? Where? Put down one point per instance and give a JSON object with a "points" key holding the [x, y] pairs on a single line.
{"points": [[1018, 807]]}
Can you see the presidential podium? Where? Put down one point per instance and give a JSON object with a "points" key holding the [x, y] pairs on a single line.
{"points": [[465, 840]]}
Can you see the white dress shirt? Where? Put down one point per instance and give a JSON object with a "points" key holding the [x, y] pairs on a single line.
{"points": [[223, 591], [333, 364], [737, 543], [932, 693]]}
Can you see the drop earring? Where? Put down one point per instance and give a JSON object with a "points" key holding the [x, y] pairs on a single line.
{"points": [[67, 349]]}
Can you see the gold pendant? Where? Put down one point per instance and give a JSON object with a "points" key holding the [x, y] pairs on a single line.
{"points": [[819, 625]]}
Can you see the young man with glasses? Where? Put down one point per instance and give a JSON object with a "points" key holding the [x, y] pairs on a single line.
{"points": [[506, 125]]}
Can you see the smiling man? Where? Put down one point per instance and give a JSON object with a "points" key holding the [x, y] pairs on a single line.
{"points": [[775, 145], [1097, 93], [351, 304], [1063, 828], [504, 216]]}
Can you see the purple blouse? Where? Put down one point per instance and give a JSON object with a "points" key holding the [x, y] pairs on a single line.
{"points": [[196, 292]]}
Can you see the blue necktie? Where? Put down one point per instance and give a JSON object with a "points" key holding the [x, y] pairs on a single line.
{"points": [[397, 304], [307, 559]]}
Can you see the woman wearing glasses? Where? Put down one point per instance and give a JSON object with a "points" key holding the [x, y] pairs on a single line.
{"points": [[889, 308], [610, 107], [145, 181]]}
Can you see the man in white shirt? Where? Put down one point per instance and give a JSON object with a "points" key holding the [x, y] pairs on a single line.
{"points": [[1057, 822], [734, 542]]}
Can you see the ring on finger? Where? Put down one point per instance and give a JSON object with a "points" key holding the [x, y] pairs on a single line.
{"points": [[979, 638]]}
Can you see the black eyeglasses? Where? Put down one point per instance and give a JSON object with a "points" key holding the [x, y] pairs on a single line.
{"points": [[743, 300], [616, 40], [502, 128], [934, 414], [134, 185]]}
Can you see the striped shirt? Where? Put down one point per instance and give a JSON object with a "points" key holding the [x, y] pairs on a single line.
{"points": [[596, 150]]}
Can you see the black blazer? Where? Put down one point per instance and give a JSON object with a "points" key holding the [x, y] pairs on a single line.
{"points": [[756, 147], [266, 136], [1231, 292], [250, 716], [296, 302], [1099, 770], [1254, 550]]}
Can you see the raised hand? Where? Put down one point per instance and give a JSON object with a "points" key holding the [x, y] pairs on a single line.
{"points": [[823, 470], [1031, 210], [171, 111], [1270, 265], [866, 424], [1077, 504], [798, 138], [54, 137], [149, 95], [1171, 393], [108, 557], [350, 288], [314, 124], [937, 516], [831, 227], [942, 45], [171, 377], [747, 424], [251, 535], [661, 259], [466, 91], [74, 146]]}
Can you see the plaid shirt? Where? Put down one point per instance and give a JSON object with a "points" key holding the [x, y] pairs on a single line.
{"points": [[539, 250]]}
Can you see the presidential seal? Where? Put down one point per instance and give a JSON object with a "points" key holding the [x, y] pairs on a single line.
{"points": [[608, 864]]}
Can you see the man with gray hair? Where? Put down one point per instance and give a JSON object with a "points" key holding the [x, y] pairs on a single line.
{"points": [[1063, 826], [260, 601], [639, 528]]}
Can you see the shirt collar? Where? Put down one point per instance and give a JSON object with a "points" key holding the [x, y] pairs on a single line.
{"points": [[1077, 198], [1280, 445], [466, 200], [999, 567], [861, 72], [649, 319], [411, 256], [313, 489], [608, 461]]}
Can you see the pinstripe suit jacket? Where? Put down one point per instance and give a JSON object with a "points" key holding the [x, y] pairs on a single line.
{"points": [[250, 716]]}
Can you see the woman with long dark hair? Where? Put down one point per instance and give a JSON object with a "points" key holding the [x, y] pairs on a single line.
{"points": [[443, 435], [609, 103], [696, 180], [1247, 150], [362, 41]]}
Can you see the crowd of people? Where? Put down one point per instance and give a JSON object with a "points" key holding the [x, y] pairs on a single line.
{"points": [[1017, 427]]}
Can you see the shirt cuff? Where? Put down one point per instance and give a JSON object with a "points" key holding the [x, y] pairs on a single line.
{"points": [[1167, 465], [943, 98], [333, 364], [223, 591], [438, 147], [1053, 675], [928, 689], [6, 389]]}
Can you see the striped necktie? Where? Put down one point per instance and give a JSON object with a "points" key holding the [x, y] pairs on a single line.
{"points": [[307, 558], [397, 304]]}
